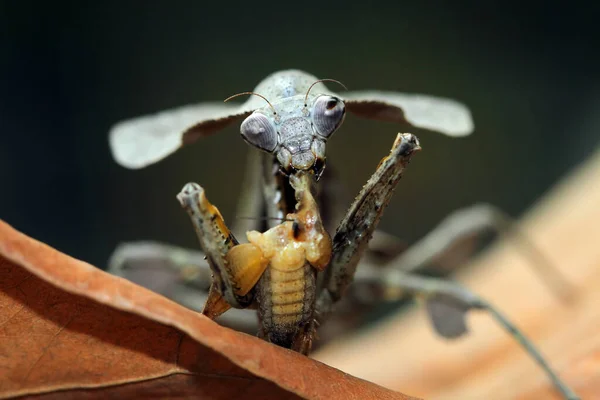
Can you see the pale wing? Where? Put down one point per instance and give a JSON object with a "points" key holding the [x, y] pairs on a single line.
{"points": [[432, 113], [142, 141]]}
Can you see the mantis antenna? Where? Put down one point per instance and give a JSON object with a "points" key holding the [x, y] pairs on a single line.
{"points": [[251, 93], [319, 81]]}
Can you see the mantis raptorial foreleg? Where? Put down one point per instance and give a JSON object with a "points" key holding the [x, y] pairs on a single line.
{"points": [[360, 222], [236, 268]]}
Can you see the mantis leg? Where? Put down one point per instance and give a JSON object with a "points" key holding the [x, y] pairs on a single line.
{"points": [[175, 272], [236, 268], [475, 220], [460, 226], [447, 304], [357, 227]]}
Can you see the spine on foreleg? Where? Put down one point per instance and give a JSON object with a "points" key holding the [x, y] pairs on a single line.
{"points": [[287, 302]]}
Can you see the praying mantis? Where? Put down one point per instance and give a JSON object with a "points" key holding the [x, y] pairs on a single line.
{"points": [[295, 273]]}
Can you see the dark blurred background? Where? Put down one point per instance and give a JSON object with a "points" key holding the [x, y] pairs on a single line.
{"points": [[69, 70]]}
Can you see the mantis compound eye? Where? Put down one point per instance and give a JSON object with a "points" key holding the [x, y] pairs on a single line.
{"points": [[328, 114], [258, 130]]}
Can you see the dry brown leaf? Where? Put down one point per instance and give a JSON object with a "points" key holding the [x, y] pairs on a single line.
{"points": [[70, 330]]}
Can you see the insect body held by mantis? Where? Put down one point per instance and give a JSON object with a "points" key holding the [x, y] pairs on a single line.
{"points": [[294, 273]]}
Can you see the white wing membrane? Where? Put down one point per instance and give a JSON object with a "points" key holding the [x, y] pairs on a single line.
{"points": [[145, 140], [433, 113], [142, 141]]}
